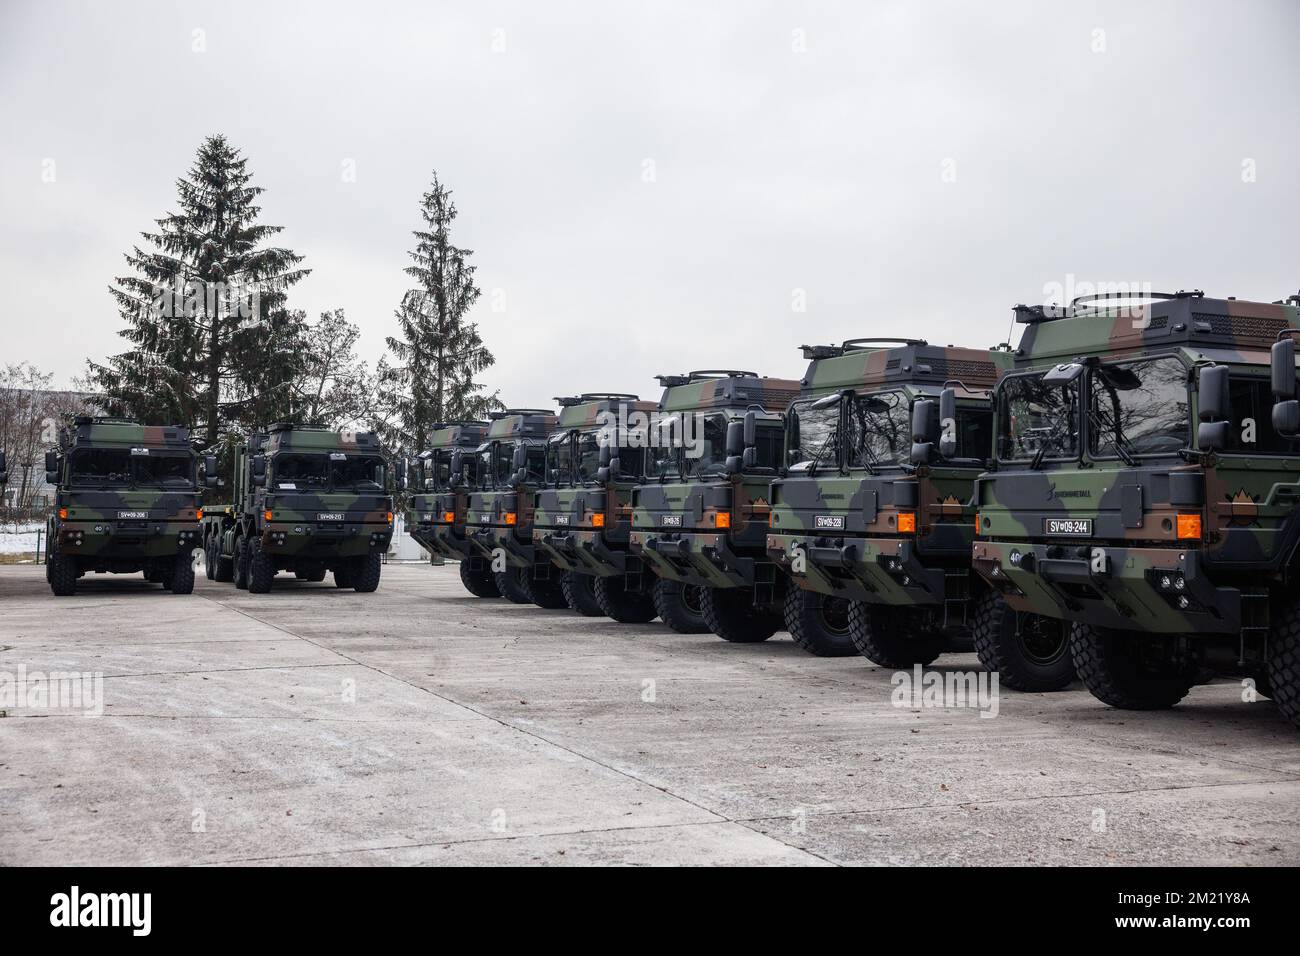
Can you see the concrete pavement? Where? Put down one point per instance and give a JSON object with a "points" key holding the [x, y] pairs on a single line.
{"points": [[421, 725]]}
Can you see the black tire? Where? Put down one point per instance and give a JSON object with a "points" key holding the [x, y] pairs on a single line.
{"points": [[1283, 677], [513, 585], [481, 583], [580, 593], [181, 578], [316, 575], [890, 636], [62, 573], [819, 623], [261, 572], [343, 574], [730, 614], [548, 592], [622, 605], [156, 575], [366, 571], [1110, 665], [241, 563], [300, 575], [209, 560], [678, 606], [1028, 652]]}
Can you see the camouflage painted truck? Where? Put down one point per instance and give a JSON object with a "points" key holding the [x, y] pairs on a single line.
{"points": [[583, 517], [875, 517], [499, 516], [1147, 475], [700, 519], [126, 500], [435, 518], [307, 500]]}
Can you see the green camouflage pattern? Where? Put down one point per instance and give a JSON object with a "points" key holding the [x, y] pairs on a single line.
{"points": [[836, 531], [305, 522], [1131, 570], [499, 512], [675, 522], [435, 516], [566, 521], [121, 524]]}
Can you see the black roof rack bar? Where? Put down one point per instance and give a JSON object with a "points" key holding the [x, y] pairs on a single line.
{"points": [[1136, 296], [721, 373], [872, 340]]}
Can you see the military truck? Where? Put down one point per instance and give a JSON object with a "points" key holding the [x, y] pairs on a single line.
{"points": [[499, 516], [700, 519], [126, 500], [436, 516], [583, 514], [874, 519], [1147, 473], [308, 500]]}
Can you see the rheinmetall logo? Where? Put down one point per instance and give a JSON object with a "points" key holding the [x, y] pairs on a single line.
{"points": [[829, 522]]}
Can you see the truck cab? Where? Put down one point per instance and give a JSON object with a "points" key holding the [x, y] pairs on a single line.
{"points": [[1145, 488], [127, 499], [700, 518], [510, 465], [435, 518], [583, 516]]}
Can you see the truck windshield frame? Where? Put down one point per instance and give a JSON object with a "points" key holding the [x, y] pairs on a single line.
{"points": [[319, 470], [1024, 394], [160, 469], [1139, 409]]}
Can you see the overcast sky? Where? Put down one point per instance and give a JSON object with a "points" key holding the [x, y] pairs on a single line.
{"points": [[648, 186]]}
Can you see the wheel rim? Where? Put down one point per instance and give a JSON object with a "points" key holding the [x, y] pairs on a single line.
{"points": [[1042, 640], [691, 599], [834, 614]]}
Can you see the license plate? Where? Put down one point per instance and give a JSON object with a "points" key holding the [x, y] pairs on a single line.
{"points": [[484, 518], [133, 515], [672, 521], [829, 522], [329, 516], [1073, 527], [562, 519]]}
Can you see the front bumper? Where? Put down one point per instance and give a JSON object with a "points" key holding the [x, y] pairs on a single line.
{"points": [[349, 539], [876, 570], [446, 540], [1164, 590], [584, 551], [486, 540], [703, 559], [109, 539]]}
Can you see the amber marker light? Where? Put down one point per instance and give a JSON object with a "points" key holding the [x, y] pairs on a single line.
{"points": [[390, 517], [198, 515], [1189, 527], [598, 520], [907, 522], [63, 513], [722, 519], [511, 517], [449, 517], [267, 514]]}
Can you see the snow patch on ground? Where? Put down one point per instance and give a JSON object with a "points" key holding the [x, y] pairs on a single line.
{"points": [[22, 540]]}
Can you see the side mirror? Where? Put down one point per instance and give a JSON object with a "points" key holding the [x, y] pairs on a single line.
{"points": [[210, 471], [750, 430], [399, 473], [1282, 364], [948, 422], [52, 467], [1212, 436], [258, 465], [455, 472], [604, 456], [924, 413], [615, 467], [520, 458], [735, 438], [1212, 393]]}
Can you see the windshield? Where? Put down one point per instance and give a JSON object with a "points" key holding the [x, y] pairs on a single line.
{"points": [[813, 433], [118, 466], [1138, 408], [559, 460], [663, 458], [711, 452], [296, 470], [1037, 419], [483, 468], [880, 430]]}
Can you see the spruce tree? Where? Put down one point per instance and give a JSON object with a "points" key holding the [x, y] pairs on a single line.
{"points": [[211, 343], [439, 351]]}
